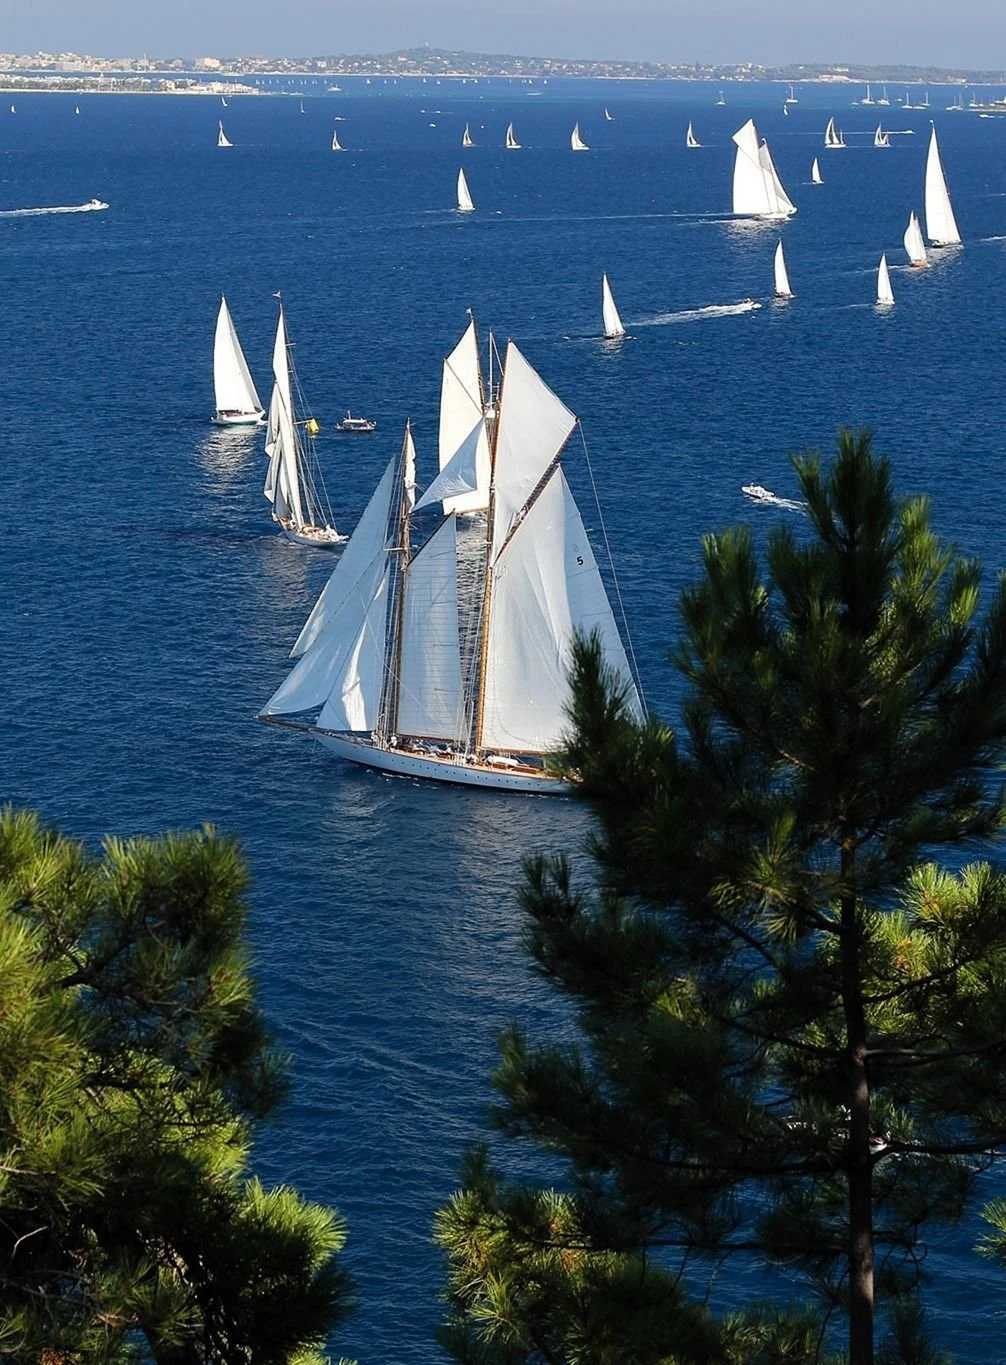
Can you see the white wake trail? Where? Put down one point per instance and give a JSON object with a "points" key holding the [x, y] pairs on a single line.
{"points": [[714, 310], [62, 208]]}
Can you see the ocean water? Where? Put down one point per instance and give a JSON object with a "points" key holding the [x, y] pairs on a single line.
{"points": [[148, 605]]}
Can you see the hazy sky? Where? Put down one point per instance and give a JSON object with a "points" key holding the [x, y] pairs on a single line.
{"points": [[967, 33]]}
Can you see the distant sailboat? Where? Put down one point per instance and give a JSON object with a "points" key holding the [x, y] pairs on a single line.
{"points": [[782, 289], [791, 97], [867, 98], [880, 138], [223, 101], [382, 674], [815, 174], [721, 100], [941, 226], [13, 110], [302, 106], [576, 142], [832, 137], [222, 139], [612, 322], [690, 139], [757, 189], [511, 141], [76, 108], [466, 138], [465, 202], [336, 144], [915, 245], [237, 402], [885, 294], [293, 481], [883, 99], [607, 116]]}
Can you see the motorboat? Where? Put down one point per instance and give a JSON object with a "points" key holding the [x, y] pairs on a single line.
{"points": [[356, 424]]}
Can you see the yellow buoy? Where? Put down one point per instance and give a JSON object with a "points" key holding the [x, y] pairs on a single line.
{"points": [[312, 426]]}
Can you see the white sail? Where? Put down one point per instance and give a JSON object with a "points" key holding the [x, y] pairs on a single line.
{"points": [[941, 226], [409, 470], [607, 116], [365, 544], [465, 202], [576, 142], [880, 138], [885, 294], [222, 139], [533, 426], [511, 139], [757, 189], [833, 138], [336, 144], [609, 313], [690, 139], [915, 244], [546, 586], [782, 289], [815, 173], [232, 383], [466, 140], [463, 439], [430, 699]]}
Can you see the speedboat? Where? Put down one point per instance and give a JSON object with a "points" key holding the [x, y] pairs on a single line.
{"points": [[757, 492], [358, 424], [96, 204]]}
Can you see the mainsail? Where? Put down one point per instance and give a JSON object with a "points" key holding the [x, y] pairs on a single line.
{"points": [[612, 322], [815, 173], [466, 140], [576, 142], [511, 141], [757, 189], [885, 294], [430, 696], [880, 138], [465, 201], [233, 388], [782, 289], [690, 139], [941, 225], [915, 244], [222, 140]]}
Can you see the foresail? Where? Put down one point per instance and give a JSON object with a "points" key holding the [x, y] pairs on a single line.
{"points": [[232, 383], [430, 699], [462, 425], [782, 204], [546, 588]]}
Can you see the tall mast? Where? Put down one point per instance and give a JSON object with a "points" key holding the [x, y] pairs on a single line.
{"points": [[487, 592], [395, 662]]}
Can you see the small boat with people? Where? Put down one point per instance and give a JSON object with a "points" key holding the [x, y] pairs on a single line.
{"points": [[357, 425]]}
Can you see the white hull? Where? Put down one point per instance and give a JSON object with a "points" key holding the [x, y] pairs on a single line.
{"points": [[314, 537], [240, 419], [438, 769]]}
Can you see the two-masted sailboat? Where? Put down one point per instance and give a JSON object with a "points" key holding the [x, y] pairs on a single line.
{"points": [[941, 225], [404, 667], [237, 401], [293, 482], [757, 189]]}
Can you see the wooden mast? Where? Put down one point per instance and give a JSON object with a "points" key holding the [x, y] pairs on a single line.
{"points": [[394, 680], [490, 521]]}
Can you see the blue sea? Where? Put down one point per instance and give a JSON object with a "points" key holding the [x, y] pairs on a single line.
{"points": [[149, 605]]}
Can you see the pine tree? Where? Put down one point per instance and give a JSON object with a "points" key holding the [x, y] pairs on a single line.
{"points": [[135, 1066], [791, 1016]]}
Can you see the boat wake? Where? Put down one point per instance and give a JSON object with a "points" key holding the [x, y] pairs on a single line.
{"points": [[714, 310], [94, 206], [767, 498]]}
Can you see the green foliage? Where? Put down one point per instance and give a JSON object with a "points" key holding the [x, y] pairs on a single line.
{"points": [[791, 1020], [134, 1067]]}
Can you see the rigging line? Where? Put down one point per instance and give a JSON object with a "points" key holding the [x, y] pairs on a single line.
{"points": [[614, 573]]}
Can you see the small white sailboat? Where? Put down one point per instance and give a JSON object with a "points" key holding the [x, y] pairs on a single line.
{"points": [[607, 117], [791, 97], [407, 666], [222, 138], [13, 110], [336, 144], [941, 225], [235, 395], [690, 139], [883, 99], [466, 203], [466, 138], [885, 294], [782, 289], [613, 328], [832, 136], [721, 100], [576, 142], [302, 110], [76, 108], [223, 101], [757, 189], [867, 98], [880, 138], [816, 178], [915, 244], [512, 144], [293, 482]]}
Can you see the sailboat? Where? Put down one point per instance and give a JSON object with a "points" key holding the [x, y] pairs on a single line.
{"points": [[223, 101], [782, 289], [302, 107], [721, 100], [883, 99], [791, 97], [512, 144], [403, 668], [915, 246], [690, 139], [941, 225], [293, 482], [336, 144], [13, 110], [832, 137], [222, 139], [880, 138], [466, 139], [607, 117], [465, 201], [757, 189], [613, 328], [885, 294], [815, 174], [867, 98], [576, 142], [237, 401], [76, 108]]}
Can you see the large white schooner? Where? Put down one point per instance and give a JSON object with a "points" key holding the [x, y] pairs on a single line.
{"points": [[403, 668], [235, 395], [757, 189]]}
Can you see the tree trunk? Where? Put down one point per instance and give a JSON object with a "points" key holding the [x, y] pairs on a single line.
{"points": [[860, 1164]]}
